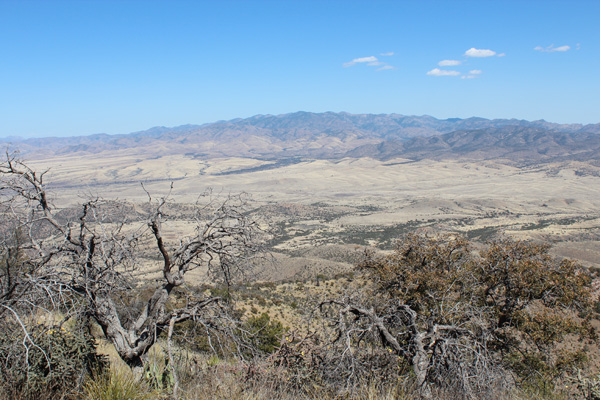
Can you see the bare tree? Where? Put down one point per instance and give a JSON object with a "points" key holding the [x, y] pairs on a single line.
{"points": [[443, 356], [86, 262]]}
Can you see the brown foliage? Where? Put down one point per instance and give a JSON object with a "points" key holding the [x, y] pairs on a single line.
{"points": [[469, 322]]}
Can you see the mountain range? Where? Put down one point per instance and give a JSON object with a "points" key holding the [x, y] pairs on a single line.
{"points": [[336, 135]]}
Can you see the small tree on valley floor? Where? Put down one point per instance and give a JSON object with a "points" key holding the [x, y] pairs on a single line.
{"points": [[87, 262]]}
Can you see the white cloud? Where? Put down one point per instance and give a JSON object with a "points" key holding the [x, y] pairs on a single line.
{"points": [[552, 49], [365, 59], [441, 72], [391, 53], [370, 59], [474, 73], [473, 52], [501, 54], [447, 63]]}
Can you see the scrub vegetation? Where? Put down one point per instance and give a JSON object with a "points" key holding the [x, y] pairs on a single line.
{"points": [[104, 301]]}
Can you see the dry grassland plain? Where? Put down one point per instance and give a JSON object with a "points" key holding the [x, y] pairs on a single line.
{"points": [[339, 206]]}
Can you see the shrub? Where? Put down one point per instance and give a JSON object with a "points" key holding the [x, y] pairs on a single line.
{"points": [[50, 360], [265, 334], [469, 322]]}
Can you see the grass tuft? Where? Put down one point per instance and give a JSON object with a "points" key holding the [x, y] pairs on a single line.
{"points": [[118, 383]]}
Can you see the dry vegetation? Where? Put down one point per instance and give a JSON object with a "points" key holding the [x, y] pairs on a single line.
{"points": [[320, 216]]}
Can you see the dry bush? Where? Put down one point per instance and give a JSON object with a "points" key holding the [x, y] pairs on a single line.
{"points": [[469, 325]]}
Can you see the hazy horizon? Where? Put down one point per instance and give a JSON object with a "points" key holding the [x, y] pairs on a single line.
{"points": [[22, 138]]}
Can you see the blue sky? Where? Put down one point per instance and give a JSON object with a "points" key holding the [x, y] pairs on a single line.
{"points": [[83, 67]]}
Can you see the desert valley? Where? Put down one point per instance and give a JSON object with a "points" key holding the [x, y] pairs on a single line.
{"points": [[450, 216], [341, 181], [300, 199]]}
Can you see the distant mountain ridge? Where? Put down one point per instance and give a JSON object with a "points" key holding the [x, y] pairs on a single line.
{"points": [[508, 142], [335, 135]]}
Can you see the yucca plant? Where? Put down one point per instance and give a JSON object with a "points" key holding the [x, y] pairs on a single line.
{"points": [[118, 383]]}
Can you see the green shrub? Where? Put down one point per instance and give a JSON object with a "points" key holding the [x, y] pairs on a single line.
{"points": [[265, 334], [53, 361]]}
